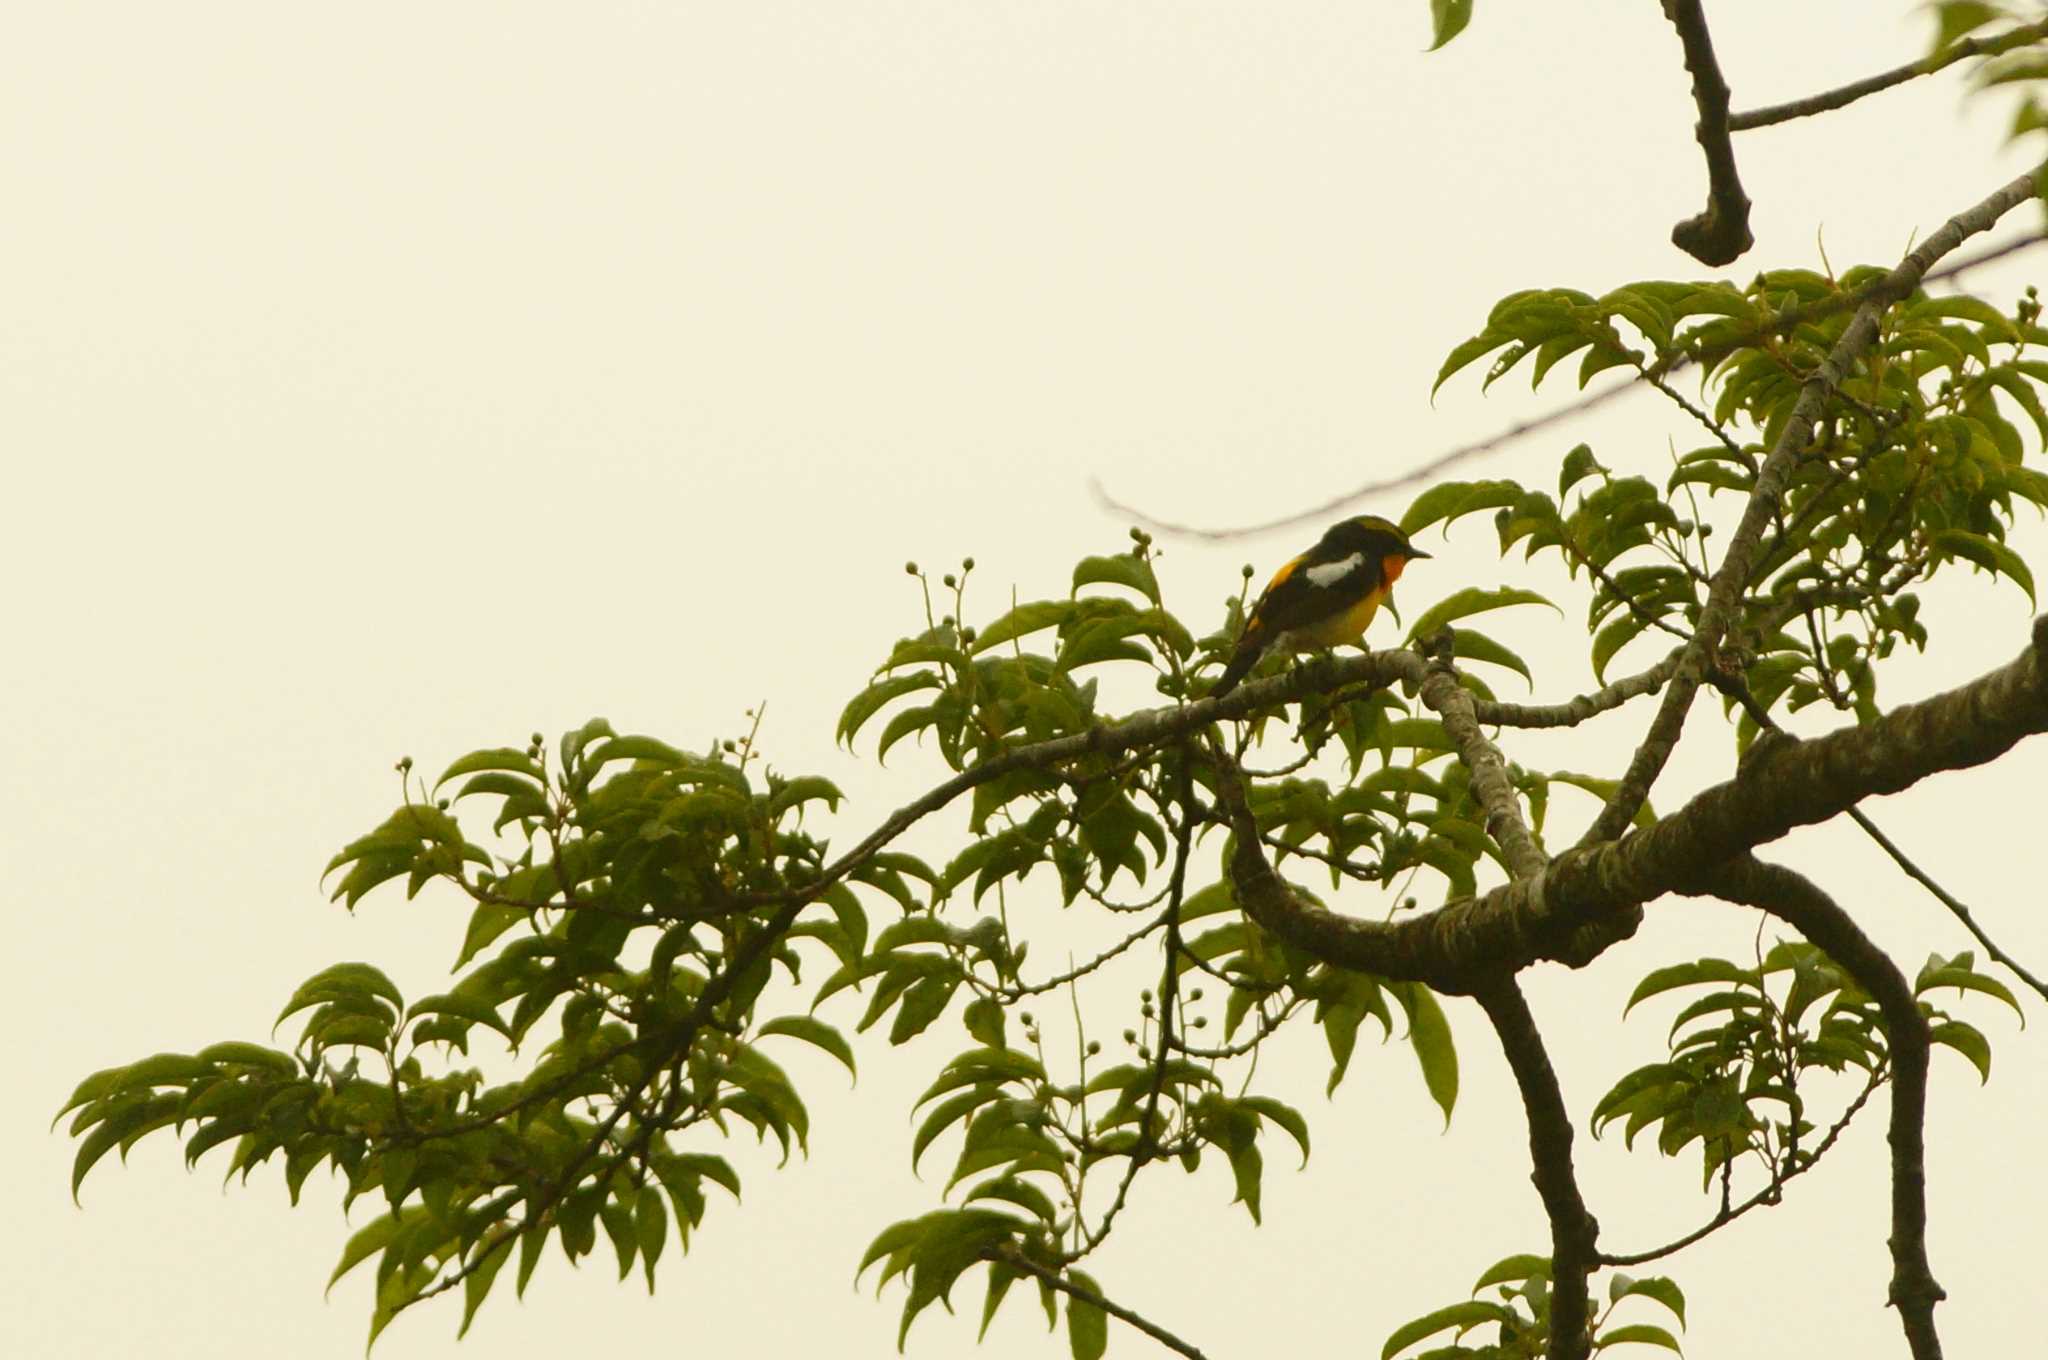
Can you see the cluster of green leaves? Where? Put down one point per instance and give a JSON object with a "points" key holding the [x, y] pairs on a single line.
{"points": [[1035, 1140], [633, 931], [1914, 465], [1521, 1316], [1740, 1051]]}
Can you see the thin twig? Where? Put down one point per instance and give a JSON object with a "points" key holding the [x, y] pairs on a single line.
{"points": [[1010, 1256], [1770, 1194], [1678, 361], [1829, 100], [1962, 913]]}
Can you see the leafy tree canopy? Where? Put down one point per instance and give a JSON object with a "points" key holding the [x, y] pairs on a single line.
{"points": [[1335, 846]]}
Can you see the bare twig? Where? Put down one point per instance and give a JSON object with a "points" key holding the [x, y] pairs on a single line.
{"points": [[1011, 1256], [1720, 233], [1706, 356], [1829, 100], [1962, 913]]}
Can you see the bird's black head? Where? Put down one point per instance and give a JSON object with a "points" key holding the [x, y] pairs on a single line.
{"points": [[1377, 538]]}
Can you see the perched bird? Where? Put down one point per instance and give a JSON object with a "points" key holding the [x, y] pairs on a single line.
{"points": [[1324, 597]]}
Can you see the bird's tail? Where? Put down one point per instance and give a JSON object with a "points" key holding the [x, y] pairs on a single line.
{"points": [[1242, 660]]}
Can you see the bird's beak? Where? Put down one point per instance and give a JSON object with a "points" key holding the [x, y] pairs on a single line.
{"points": [[1414, 553]]}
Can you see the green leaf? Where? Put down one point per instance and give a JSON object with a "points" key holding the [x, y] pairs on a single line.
{"points": [[1638, 1334], [1987, 553], [1690, 975], [1447, 501], [1447, 20], [491, 1256], [985, 1020], [1525, 1266], [1429, 1034], [499, 758], [1133, 573], [869, 701], [1286, 1116], [341, 982], [1473, 600], [1468, 645], [812, 1032], [486, 924], [249, 1055], [1578, 465], [1022, 621], [1961, 973], [650, 1229], [1967, 1040], [1087, 1325], [1463, 1316], [1659, 1287]]}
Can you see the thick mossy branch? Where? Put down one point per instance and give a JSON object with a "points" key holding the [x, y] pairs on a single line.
{"points": [[1591, 896]]}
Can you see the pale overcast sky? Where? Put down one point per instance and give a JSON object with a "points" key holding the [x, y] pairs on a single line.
{"points": [[403, 379]]}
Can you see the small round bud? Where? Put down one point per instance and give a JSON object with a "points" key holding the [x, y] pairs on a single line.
{"points": [[910, 568], [1247, 571], [1130, 1036], [537, 740], [1145, 994], [1144, 1052], [404, 765], [1146, 1010], [1026, 1018], [949, 580], [1195, 995], [967, 634], [1094, 1047], [1137, 534], [730, 745], [967, 564], [441, 803], [1200, 1022], [1706, 531]]}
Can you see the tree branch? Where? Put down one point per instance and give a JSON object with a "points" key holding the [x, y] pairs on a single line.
{"points": [[1962, 913], [1574, 1234], [1829, 100], [1796, 899], [1770, 1194], [1490, 784], [1591, 896], [1010, 1256], [1586, 706], [1705, 356], [1731, 579], [1720, 233]]}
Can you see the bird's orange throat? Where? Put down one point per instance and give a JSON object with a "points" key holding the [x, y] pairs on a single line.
{"points": [[1391, 567]]}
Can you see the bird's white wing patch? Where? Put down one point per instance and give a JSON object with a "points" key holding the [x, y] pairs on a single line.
{"points": [[1329, 573]]}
